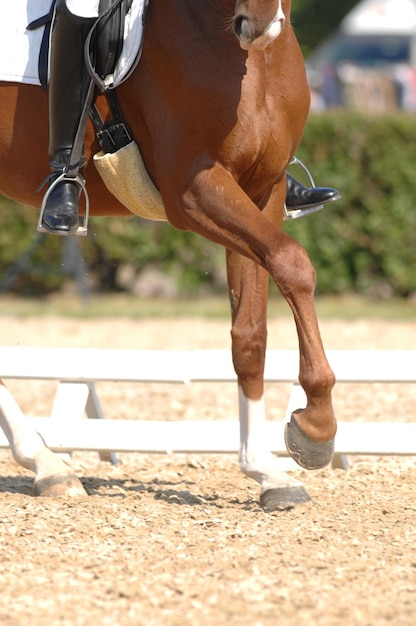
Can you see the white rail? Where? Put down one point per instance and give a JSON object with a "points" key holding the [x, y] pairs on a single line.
{"points": [[76, 371]]}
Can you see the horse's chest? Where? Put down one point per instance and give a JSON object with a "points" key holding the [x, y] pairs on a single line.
{"points": [[271, 120], [263, 148]]}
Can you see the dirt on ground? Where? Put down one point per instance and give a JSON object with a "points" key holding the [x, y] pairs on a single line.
{"points": [[178, 540]]}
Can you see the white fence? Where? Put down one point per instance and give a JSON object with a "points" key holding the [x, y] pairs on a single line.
{"points": [[77, 370]]}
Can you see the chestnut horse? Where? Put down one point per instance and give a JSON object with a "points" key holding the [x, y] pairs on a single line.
{"points": [[218, 105]]}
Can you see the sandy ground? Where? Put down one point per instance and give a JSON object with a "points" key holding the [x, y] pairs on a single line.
{"points": [[178, 540]]}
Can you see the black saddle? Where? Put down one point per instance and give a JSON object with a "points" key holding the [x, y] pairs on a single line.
{"points": [[105, 41], [102, 52]]}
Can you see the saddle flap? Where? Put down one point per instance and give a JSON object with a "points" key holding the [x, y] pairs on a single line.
{"points": [[109, 36], [115, 44]]}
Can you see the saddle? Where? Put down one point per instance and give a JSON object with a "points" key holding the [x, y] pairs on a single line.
{"points": [[103, 50], [109, 37]]}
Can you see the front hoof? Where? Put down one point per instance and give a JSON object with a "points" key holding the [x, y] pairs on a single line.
{"points": [[283, 498], [307, 453], [67, 485]]}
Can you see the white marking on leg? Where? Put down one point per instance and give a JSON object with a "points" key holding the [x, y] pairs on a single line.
{"points": [[27, 446], [25, 443], [255, 458]]}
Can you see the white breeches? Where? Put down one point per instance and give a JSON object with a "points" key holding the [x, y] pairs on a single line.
{"points": [[83, 8]]}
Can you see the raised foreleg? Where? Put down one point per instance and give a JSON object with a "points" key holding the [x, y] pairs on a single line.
{"points": [[53, 477], [216, 207]]}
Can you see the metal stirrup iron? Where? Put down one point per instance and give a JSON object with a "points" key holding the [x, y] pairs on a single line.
{"points": [[83, 225], [296, 213]]}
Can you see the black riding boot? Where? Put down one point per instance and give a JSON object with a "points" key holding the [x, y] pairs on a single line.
{"points": [[300, 197], [68, 89]]}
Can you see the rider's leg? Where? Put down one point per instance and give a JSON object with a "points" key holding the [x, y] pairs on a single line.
{"points": [[300, 197], [68, 86]]}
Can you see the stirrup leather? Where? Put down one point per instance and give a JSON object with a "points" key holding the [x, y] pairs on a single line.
{"points": [[296, 213], [83, 226]]}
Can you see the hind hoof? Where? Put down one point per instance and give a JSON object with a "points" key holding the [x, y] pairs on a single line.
{"points": [[307, 453], [57, 486], [283, 498]]}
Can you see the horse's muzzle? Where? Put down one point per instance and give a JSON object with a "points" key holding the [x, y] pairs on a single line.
{"points": [[250, 36], [243, 28]]}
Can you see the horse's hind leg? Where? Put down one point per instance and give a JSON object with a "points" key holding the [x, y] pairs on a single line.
{"points": [[53, 477], [248, 287]]}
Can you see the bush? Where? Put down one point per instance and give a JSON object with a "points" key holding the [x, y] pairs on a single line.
{"points": [[34, 264], [365, 242]]}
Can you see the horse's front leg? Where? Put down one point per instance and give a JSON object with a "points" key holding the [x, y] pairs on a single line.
{"points": [[248, 290], [53, 477], [310, 434], [216, 207]]}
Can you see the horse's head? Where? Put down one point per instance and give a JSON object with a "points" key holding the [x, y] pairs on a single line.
{"points": [[257, 23]]}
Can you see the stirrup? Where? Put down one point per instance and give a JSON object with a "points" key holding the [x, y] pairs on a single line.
{"points": [[83, 226], [294, 214]]}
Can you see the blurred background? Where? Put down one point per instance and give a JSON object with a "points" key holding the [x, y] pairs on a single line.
{"points": [[360, 138]]}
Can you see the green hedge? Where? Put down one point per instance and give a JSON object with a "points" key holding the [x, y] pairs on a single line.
{"points": [[34, 264], [364, 243]]}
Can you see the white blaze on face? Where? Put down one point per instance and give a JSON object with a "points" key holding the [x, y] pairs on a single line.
{"points": [[273, 30], [276, 25]]}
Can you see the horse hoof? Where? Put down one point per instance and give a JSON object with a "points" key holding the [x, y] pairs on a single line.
{"points": [[67, 485], [283, 498], [307, 453]]}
